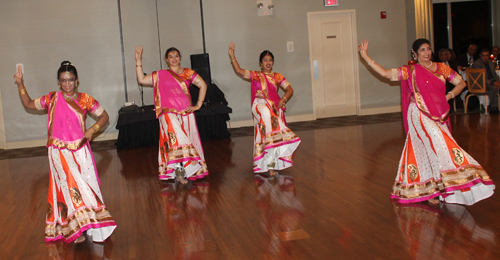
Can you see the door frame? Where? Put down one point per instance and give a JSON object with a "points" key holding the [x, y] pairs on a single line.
{"points": [[3, 142], [352, 14]]}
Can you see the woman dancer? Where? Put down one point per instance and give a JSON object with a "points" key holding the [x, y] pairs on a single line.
{"points": [[75, 204], [274, 142], [432, 165], [181, 154]]}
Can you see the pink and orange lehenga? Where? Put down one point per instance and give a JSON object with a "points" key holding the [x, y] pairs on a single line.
{"points": [[75, 203], [180, 151], [432, 164], [274, 142]]}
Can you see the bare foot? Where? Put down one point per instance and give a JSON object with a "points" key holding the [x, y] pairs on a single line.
{"points": [[433, 201], [181, 180], [272, 173], [80, 239]]}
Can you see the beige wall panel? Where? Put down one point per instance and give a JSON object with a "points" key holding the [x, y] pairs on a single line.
{"points": [[139, 26], [253, 34], [41, 34]]}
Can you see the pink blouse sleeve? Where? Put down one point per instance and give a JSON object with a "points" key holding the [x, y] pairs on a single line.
{"points": [[400, 74], [282, 80], [248, 74], [42, 103], [452, 76], [91, 105]]}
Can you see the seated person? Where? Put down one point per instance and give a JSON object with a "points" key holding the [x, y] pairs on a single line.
{"points": [[492, 79], [444, 55], [465, 60]]}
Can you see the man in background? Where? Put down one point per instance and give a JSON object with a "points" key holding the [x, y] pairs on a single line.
{"points": [[466, 60], [492, 79]]}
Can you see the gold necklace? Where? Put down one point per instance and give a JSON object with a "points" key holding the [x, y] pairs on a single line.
{"points": [[68, 98], [270, 73]]}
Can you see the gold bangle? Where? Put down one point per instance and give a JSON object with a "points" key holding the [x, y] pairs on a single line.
{"points": [[96, 128], [137, 66], [22, 91], [286, 99], [233, 60]]}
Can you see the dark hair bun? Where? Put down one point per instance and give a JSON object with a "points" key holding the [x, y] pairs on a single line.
{"points": [[65, 63], [66, 66]]}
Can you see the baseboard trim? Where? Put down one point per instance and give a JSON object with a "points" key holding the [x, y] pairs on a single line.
{"points": [[37, 143], [380, 110], [289, 119]]}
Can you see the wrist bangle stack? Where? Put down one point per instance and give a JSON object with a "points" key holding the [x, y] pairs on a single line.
{"points": [[95, 128], [452, 95], [22, 91], [137, 66], [286, 99]]}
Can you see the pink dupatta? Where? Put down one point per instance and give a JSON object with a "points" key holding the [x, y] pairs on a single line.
{"points": [[66, 125], [428, 92], [171, 92], [266, 89]]}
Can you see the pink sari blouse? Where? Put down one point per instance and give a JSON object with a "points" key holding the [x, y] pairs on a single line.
{"points": [[427, 89], [171, 91], [66, 119], [266, 86]]}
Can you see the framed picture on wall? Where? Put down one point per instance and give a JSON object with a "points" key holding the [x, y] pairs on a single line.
{"points": [[331, 2]]}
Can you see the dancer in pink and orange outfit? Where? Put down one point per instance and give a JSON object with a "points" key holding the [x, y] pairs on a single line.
{"points": [[432, 166], [274, 142], [180, 154], [75, 205]]}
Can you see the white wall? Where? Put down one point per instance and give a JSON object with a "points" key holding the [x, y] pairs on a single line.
{"points": [[41, 34]]}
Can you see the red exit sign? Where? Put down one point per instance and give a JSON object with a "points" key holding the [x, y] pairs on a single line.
{"points": [[331, 2]]}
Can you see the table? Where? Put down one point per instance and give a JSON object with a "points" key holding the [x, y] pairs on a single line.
{"points": [[140, 128]]}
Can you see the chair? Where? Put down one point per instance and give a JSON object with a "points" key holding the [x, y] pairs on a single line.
{"points": [[476, 85]]}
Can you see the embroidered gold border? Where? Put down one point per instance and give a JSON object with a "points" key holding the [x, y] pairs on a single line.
{"points": [[449, 179], [274, 138], [79, 218], [157, 93]]}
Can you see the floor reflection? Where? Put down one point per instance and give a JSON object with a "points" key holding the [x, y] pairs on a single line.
{"points": [[86, 250], [446, 231], [186, 212], [279, 210]]}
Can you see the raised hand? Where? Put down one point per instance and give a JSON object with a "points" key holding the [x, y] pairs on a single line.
{"points": [[138, 53], [231, 50], [19, 76], [363, 48]]}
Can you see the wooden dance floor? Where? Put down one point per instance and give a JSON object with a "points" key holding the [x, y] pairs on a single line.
{"points": [[333, 204]]}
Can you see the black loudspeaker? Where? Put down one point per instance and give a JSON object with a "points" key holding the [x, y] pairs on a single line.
{"points": [[201, 64]]}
